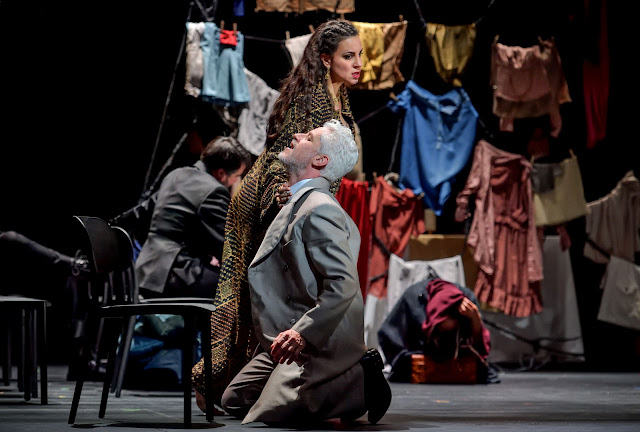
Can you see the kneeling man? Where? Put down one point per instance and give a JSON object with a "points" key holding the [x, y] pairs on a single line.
{"points": [[306, 301]]}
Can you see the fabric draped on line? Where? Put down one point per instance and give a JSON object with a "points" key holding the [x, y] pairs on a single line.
{"points": [[613, 222], [438, 133], [503, 232], [451, 48], [528, 82], [301, 6], [354, 197], [396, 215], [214, 65], [382, 71], [253, 119]]}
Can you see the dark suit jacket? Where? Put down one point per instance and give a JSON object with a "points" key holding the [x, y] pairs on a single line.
{"points": [[187, 228]]}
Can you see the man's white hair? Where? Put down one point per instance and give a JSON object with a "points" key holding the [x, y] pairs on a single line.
{"points": [[338, 144]]}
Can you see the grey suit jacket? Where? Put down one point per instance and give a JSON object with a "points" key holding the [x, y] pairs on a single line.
{"points": [[304, 277], [187, 227]]}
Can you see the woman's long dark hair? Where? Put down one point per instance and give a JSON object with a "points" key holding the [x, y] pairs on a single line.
{"points": [[302, 79]]}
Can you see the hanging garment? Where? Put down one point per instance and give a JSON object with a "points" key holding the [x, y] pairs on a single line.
{"points": [[295, 46], [528, 82], [238, 8], [557, 327], [558, 195], [613, 222], [403, 274], [438, 133], [428, 247], [595, 72], [228, 37], [372, 38], [223, 81], [354, 197], [252, 122], [396, 215], [193, 59], [620, 302], [451, 48], [389, 73], [301, 6], [503, 233]]}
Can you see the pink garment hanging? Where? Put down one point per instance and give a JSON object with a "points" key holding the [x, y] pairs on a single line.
{"points": [[503, 232], [528, 82]]}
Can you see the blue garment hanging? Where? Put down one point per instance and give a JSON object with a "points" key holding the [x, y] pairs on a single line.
{"points": [[223, 79], [238, 8], [438, 134]]}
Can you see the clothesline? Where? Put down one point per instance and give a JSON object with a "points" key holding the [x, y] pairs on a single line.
{"points": [[423, 22], [262, 39]]}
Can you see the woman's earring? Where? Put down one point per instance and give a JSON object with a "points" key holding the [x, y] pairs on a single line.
{"points": [[327, 75]]}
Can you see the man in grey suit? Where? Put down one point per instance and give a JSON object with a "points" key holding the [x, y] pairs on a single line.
{"points": [[186, 234], [307, 307]]}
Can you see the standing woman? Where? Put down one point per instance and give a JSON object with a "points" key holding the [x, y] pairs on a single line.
{"points": [[313, 93]]}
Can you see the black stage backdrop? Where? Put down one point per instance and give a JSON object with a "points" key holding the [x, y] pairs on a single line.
{"points": [[84, 88]]}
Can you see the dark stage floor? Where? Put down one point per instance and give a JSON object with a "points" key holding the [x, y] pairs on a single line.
{"points": [[522, 401]]}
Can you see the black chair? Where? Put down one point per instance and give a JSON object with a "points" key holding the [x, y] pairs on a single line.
{"points": [[113, 302], [128, 274]]}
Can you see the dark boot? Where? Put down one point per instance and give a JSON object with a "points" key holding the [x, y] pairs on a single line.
{"points": [[377, 393]]}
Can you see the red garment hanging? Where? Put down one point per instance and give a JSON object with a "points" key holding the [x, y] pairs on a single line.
{"points": [[354, 197], [228, 37]]}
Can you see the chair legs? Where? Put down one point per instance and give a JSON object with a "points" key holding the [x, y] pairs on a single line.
{"points": [[123, 357], [83, 372], [110, 339], [81, 376]]}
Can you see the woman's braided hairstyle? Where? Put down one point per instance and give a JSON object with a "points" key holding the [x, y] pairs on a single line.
{"points": [[302, 79]]}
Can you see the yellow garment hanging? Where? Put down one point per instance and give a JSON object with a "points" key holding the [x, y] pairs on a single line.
{"points": [[451, 48], [372, 38]]}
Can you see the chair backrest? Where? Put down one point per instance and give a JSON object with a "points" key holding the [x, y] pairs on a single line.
{"points": [[127, 264], [100, 244], [110, 254]]}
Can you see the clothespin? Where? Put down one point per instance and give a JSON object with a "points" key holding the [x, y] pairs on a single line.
{"points": [[221, 24], [235, 27], [342, 16], [311, 28], [401, 18], [287, 35], [393, 96]]}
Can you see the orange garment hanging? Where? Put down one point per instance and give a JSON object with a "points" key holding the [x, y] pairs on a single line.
{"points": [[396, 216]]}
